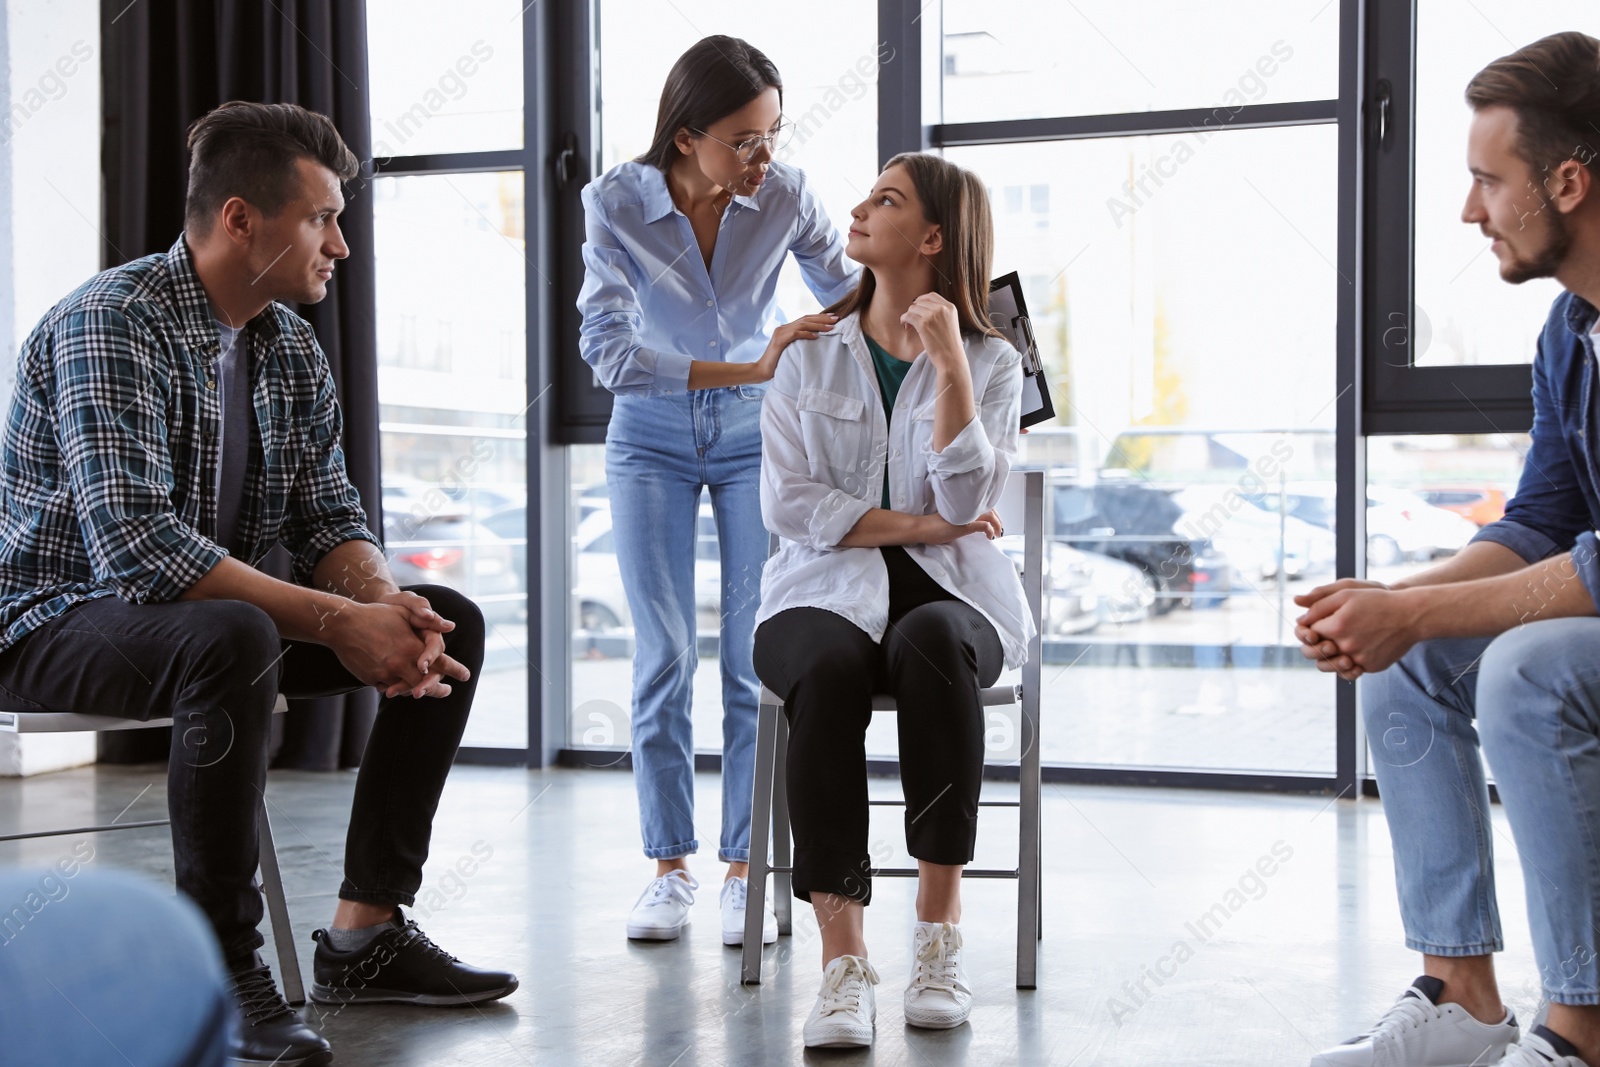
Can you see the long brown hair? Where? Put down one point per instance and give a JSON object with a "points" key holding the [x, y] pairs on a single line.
{"points": [[1553, 85], [954, 199], [716, 77]]}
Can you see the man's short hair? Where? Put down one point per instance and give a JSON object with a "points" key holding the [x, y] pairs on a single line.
{"points": [[1553, 85], [250, 151]]}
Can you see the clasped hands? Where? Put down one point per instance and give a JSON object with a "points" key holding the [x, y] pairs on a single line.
{"points": [[396, 643], [1353, 626]]}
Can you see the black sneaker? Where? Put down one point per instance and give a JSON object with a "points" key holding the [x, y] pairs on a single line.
{"points": [[271, 1032], [401, 965]]}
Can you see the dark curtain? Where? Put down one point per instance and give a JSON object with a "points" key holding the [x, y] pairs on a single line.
{"points": [[165, 64]]}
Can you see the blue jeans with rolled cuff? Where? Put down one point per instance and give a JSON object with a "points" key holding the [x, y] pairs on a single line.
{"points": [[660, 452], [1534, 692]]}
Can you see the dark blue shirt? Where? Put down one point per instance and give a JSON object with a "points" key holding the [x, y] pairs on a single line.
{"points": [[1556, 507]]}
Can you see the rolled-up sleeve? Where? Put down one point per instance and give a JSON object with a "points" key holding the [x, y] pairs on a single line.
{"points": [[819, 251], [794, 505], [323, 510], [1586, 561], [969, 474], [111, 396], [608, 338], [1547, 512]]}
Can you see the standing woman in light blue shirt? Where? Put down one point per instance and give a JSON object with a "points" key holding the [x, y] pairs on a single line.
{"points": [[682, 252]]}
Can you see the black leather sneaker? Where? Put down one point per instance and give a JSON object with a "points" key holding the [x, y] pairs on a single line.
{"points": [[401, 965], [271, 1032]]}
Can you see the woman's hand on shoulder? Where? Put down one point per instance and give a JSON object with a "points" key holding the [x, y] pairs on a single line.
{"points": [[937, 326], [807, 327]]}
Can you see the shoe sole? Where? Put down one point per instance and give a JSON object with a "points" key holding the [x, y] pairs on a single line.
{"points": [[858, 1039], [936, 1023], [316, 1059], [1318, 1060], [844, 1041], [654, 933], [841, 1044], [737, 940], [323, 994]]}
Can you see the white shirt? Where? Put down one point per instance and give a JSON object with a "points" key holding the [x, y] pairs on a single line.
{"points": [[824, 446]]}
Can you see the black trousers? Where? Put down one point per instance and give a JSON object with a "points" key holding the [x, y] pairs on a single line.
{"points": [[216, 667], [935, 657]]}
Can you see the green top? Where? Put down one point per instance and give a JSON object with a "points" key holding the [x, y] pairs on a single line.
{"points": [[891, 374]]}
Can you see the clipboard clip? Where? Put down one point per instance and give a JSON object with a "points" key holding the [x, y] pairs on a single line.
{"points": [[1031, 363]]}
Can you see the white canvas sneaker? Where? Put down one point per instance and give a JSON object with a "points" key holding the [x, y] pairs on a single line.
{"points": [[938, 996], [662, 910], [846, 1008], [734, 893], [1540, 1047], [1420, 1032]]}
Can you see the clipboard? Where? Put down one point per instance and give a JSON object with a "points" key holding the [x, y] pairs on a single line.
{"points": [[1009, 313]]}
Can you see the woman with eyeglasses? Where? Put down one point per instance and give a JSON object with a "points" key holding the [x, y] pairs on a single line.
{"points": [[681, 255]]}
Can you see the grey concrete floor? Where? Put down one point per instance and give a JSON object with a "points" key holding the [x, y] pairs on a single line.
{"points": [[1304, 958]]}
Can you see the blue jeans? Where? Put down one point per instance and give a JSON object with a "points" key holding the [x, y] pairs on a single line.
{"points": [[1536, 693], [102, 967], [660, 452]]}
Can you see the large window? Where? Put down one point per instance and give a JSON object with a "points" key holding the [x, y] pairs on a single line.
{"points": [[1464, 311], [452, 266], [1016, 59], [1276, 350], [445, 81], [1183, 293]]}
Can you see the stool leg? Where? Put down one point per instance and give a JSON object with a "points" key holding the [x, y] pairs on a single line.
{"points": [[782, 839], [1030, 899], [294, 990], [760, 828]]}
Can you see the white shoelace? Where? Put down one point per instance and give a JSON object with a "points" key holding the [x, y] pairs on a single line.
{"points": [[936, 961], [670, 887], [1408, 1012], [842, 984], [738, 893]]}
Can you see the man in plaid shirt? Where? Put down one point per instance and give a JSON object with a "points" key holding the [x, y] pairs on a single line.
{"points": [[172, 422]]}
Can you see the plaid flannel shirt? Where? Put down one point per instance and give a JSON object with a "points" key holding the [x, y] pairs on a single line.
{"points": [[109, 459]]}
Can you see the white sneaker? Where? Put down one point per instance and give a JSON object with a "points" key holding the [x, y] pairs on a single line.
{"points": [[846, 1007], [1420, 1032], [662, 910], [938, 996], [734, 893], [1541, 1048]]}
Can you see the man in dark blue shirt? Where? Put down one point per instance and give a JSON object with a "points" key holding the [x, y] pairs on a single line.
{"points": [[172, 422], [1506, 630]]}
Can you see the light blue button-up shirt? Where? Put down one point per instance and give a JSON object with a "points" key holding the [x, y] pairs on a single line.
{"points": [[649, 305]]}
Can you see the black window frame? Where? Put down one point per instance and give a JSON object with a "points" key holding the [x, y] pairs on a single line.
{"points": [[1342, 111], [1381, 392], [546, 84], [1400, 397]]}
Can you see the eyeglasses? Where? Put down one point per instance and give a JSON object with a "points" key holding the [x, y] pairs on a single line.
{"points": [[745, 151]]}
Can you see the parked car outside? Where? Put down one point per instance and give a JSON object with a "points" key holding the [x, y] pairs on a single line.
{"points": [[1400, 524], [452, 550], [511, 526], [1082, 589], [1136, 524], [602, 603], [1480, 505], [1072, 600], [1252, 538]]}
